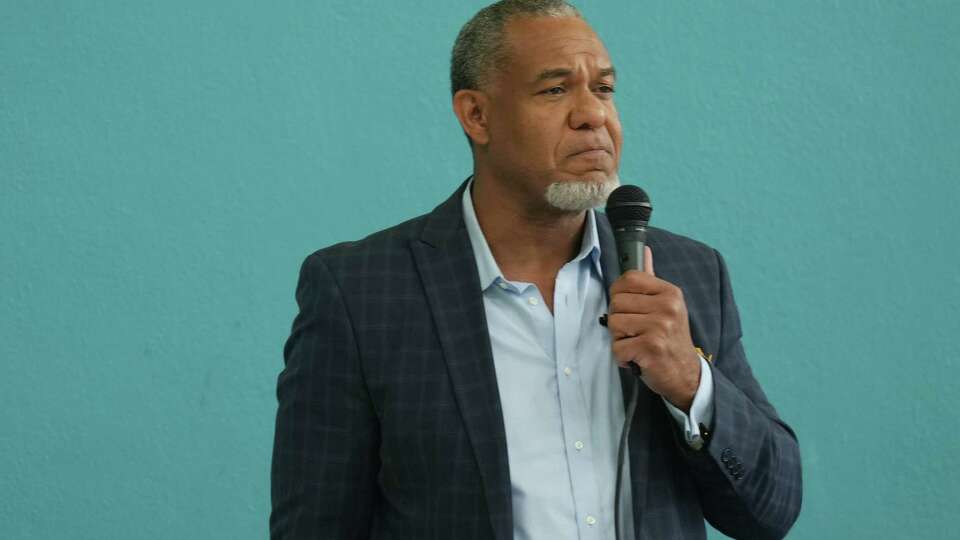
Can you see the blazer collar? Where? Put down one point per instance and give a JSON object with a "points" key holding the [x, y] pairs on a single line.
{"points": [[609, 264], [444, 225], [448, 270]]}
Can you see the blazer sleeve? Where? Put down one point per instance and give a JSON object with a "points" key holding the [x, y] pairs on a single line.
{"points": [[748, 474], [323, 476]]}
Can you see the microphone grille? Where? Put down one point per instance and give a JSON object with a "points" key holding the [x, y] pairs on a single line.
{"points": [[628, 205]]}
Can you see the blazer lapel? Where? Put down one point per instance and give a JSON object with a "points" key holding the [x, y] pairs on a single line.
{"points": [[641, 428], [445, 260]]}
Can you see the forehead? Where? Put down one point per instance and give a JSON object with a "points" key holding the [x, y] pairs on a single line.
{"points": [[537, 43]]}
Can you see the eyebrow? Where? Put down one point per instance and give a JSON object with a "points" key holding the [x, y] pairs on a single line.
{"points": [[560, 73]]}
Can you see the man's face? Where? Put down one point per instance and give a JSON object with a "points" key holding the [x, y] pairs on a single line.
{"points": [[552, 117]]}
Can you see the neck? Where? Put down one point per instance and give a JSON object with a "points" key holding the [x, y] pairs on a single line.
{"points": [[529, 241]]}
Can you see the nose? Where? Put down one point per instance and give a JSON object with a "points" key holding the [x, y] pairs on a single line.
{"points": [[588, 112]]}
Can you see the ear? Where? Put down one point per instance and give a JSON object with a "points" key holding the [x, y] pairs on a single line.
{"points": [[471, 108]]}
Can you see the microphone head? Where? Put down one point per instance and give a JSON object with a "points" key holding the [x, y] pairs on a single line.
{"points": [[628, 206]]}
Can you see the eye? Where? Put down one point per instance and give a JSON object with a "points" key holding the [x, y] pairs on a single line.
{"points": [[605, 89], [554, 91]]}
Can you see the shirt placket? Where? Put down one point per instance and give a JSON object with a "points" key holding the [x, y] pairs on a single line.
{"points": [[568, 309]]}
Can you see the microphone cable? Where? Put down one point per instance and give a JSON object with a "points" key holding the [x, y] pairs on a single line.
{"points": [[621, 452]]}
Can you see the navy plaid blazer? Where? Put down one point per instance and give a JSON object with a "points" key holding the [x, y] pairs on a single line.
{"points": [[389, 423]]}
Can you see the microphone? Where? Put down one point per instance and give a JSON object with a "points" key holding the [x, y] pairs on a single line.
{"points": [[628, 209]]}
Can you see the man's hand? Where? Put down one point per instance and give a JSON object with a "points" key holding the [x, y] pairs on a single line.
{"points": [[649, 325]]}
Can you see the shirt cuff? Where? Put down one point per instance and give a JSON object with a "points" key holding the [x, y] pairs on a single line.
{"points": [[701, 410]]}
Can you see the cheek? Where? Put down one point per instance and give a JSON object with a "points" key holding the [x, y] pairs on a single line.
{"points": [[518, 126], [537, 137]]}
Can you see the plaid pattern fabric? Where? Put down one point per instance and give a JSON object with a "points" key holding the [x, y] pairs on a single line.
{"points": [[389, 423]]}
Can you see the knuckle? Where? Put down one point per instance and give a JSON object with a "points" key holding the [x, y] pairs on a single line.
{"points": [[642, 362], [620, 351], [618, 326], [668, 325], [621, 285], [678, 294]]}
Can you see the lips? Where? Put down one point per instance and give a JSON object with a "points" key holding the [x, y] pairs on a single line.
{"points": [[595, 152], [592, 151]]}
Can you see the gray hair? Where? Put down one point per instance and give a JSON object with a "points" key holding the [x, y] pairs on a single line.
{"points": [[480, 48]]}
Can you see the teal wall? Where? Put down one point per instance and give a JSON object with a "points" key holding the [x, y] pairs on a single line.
{"points": [[165, 168]]}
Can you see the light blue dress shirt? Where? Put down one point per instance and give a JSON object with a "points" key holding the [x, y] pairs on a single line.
{"points": [[560, 392]]}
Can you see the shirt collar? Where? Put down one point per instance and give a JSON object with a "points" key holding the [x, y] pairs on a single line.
{"points": [[487, 266]]}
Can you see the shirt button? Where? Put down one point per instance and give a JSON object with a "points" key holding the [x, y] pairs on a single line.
{"points": [[578, 445], [567, 371], [533, 301], [503, 285], [591, 520]]}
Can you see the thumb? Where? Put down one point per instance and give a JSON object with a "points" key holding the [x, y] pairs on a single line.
{"points": [[648, 260]]}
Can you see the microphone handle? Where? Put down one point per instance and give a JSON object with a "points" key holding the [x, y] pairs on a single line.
{"points": [[630, 242]]}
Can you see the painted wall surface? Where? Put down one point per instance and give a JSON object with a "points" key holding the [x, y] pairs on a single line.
{"points": [[166, 166]]}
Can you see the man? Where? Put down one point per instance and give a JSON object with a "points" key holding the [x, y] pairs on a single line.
{"points": [[449, 377]]}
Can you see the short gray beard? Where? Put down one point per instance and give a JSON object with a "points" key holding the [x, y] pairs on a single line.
{"points": [[580, 195]]}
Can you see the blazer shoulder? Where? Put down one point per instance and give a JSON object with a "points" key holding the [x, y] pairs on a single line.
{"points": [[666, 242], [694, 266], [672, 242], [373, 249], [384, 260], [374, 263]]}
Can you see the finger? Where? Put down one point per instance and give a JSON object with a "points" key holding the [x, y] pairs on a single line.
{"points": [[648, 260], [630, 325], [626, 302], [622, 352], [635, 281], [626, 351]]}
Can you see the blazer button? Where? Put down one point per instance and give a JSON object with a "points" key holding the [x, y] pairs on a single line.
{"points": [[726, 455]]}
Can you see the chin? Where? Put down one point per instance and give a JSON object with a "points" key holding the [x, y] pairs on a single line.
{"points": [[582, 193]]}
